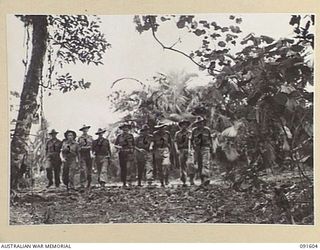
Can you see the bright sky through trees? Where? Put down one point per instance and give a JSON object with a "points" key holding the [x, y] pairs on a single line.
{"points": [[131, 55]]}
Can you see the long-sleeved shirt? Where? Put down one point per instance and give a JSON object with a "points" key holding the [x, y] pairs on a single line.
{"points": [[126, 141], [101, 146], [53, 147], [70, 150], [85, 144], [201, 137], [144, 141], [162, 139], [182, 138]]}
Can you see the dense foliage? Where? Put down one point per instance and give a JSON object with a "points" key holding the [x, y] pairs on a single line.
{"points": [[257, 103], [56, 40]]}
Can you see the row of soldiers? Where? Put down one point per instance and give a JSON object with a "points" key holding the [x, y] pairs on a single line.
{"points": [[144, 151]]}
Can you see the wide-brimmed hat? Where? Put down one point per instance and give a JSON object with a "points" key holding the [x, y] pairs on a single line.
{"points": [[125, 125], [184, 122], [100, 131], [144, 127], [160, 125], [70, 131], [53, 131], [84, 127], [199, 119]]}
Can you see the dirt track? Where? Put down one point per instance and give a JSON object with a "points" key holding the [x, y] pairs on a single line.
{"points": [[217, 203]]}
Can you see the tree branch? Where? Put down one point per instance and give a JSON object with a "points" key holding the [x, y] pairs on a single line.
{"points": [[126, 78], [179, 51]]}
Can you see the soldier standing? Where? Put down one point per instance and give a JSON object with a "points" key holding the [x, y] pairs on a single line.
{"points": [[53, 147], [202, 145], [162, 148], [144, 157], [70, 155], [183, 144], [125, 143], [101, 153], [85, 143]]}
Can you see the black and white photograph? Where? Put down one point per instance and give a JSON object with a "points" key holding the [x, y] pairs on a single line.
{"points": [[161, 118]]}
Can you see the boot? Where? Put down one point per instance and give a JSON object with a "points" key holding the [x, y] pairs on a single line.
{"points": [[166, 181], [139, 183], [49, 184], [191, 181]]}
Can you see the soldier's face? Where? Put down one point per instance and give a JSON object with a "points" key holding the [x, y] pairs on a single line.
{"points": [[85, 131], [201, 124], [53, 136], [162, 129], [184, 126], [70, 136]]}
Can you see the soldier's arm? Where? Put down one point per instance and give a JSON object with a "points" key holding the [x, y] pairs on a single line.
{"points": [[170, 141], [108, 148], [151, 142], [210, 135], [61, 154], [116, 143], [192, 139], [59, 145], [78, 152], [189, 142], [93, 148], [133, 141], [47, 148], [89, 143], [175, 141]]}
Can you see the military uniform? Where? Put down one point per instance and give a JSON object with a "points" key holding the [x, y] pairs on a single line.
{"points": [[162, 147], [126, 157], [102, 152], [145, 157], [53, 147], [201, 142], [85, 143], [182, 139], [70, 152]]}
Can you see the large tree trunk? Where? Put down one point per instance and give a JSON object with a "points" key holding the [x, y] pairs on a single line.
{"points": [[28, 100]]}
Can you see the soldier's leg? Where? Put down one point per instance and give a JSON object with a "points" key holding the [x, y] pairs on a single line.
{"points": [[49, 170], [82, 171], [104, 171], [159, 166], [72, 172], [89, 170], [166, 169], [65, 174], [149, 167], [140, 165], [98, 166], [191, 167], [57, 170], [183, 165], [205, 174], [166, 165], [123, 167], [131, 167], [154, 166], [198, 160]]}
